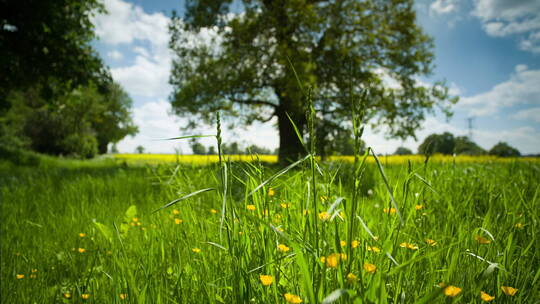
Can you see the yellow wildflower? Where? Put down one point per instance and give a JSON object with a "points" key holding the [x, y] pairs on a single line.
{"points": [[324, 198], [271, 192], [481, 240], [355, 244], [196, 250], [85, 296], [82, 234], [283, 248], [20, 276], [509, 291], [389, 211], [123, 296], [34, 270], [176, 211], [251, 207], [431, 242], [519, 226], [279, 229], [332, 260], [408, 245], [306, 212], [178, 221], [343, 256], [213, 211], [418, 207], [266, 280], [292, 298], [324, 215], [81, 250], [485, 297], [351, 277], [373, 249], [285, 205], [343, 243], [66, 295], [451, 291], [135, 219], [370, 268], [33, 276], [139, 224]]}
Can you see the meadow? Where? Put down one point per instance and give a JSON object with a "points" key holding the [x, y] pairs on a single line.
{"points": [[364, 231]]}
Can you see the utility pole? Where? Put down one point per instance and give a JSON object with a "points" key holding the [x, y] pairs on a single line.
{"points": [[470, 123]]}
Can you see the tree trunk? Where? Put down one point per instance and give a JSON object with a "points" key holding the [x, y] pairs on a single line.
{"points": [[290, 147]]}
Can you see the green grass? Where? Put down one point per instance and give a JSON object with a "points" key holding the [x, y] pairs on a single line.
{"points": [[44, 208]]}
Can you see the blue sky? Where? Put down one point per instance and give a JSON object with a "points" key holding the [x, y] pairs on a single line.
{"points": [[488, 51]]}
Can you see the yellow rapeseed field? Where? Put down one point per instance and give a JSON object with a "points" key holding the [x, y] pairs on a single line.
{"points": [[387, 160]]}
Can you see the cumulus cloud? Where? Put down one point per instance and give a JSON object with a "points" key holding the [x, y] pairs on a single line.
{"points": [[521, 89], [441, 7], [503, 18], [114, 54], [532, 114]]}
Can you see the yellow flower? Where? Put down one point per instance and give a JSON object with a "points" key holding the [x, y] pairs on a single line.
{"points": [[389, 211], [251, 207], [279, 229], [82, 234], [485, 297], [85, 296], [408, 245], [343, 243], [20, 276], [451, 291], [213, 211], [509, 291], [306, 212], [139, 224], [81, 250], [34, 270], [355, 244], [418, 207], [292, 298], [271, 192], [351, 277], [332, 260], [324, 216], [135, 219], [123, 296], [370, 268], [266, 279], [324, 198], [66, 295], [282, 248], [196, 250], [519, 226], [33, 276], [373, 249], [176, 211], [285, 205], [431, 242], [178, 221], [481, 240]]}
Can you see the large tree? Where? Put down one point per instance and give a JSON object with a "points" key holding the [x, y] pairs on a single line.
{"points": [[337, 48], [46, 43]]}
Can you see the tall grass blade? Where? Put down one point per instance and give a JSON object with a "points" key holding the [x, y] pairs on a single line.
{"points": [[280, 173], [334, 296], [183, 198]]}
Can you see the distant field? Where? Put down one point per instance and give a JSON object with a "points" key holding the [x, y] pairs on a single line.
{"points": [[391, 159], [441, 232]]}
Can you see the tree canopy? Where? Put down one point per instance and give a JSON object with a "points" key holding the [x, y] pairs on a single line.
{"points": [[446, 143], [504, 150], [337, 48]]}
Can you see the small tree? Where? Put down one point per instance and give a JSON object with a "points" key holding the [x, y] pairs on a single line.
{"points": [[504, 150], [198, 148], [139, 149], [463, 145], [437, 143], [211, 150], [403, 151]]}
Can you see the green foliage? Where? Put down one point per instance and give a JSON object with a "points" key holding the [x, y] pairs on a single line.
{"points": [[463, 145], [437, 143], [139, 149], [403, 151], [197, 148], [47, 43], [504, 150], [81, 122], [337, 48]]}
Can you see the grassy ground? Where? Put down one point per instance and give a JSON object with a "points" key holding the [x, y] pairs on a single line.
{"points": [[78, 232]]}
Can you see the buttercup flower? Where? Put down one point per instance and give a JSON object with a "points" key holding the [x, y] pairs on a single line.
{"points": [[123, 296], [85, 296], [292, 298], [266, 279], [283, 248], [19, 276], [486, 297], [271, 192], [451, 291], [178, 221], [196, 250], [389, 211], [251, 207], [351, 277], [373, 249], [370, 268], [481, 240], [509, 291], [418, 207], [82, 234], [431, 242]]}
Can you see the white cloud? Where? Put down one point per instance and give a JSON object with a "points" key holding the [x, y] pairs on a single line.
{"points": [[441, 7], [114, 54], [506, 17], [521, 89], [532, 114]]}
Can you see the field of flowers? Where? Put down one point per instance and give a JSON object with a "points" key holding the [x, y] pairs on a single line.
{"points": [[452, 230]]}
